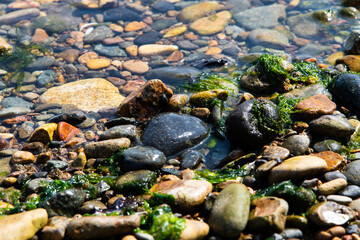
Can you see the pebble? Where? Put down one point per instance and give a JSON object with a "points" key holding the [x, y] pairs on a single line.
{"points": [[268, 38], [142, 157], [22, 157], [332, 186], [55, 229], [339, 199], [98, 63], [43, 134], [149, 50], [211, 25], [106, 148], [19, 15], [135, 26], [136, 66], [197, 11], [297, 144]]}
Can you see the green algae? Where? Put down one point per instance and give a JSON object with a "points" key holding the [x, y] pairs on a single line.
{"points": [[219, 176], [299, 198], [110, 166], [286, 109], [264, 122], [16, 61], [162, 224]]}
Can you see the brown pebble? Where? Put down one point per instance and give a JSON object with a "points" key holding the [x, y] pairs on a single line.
{"points": [[355, 236], [129, 237], [175, 56], [132, 50], [40, 36], [21, 157], [337, 231], [202, 113]]}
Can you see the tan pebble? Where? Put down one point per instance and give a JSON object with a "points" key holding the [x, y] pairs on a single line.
{"points": [[213, 51], [221, 36], [21, 157], [293, 4], [40, 36], [345, 237], [98, 63], [116, 28], [212, 43], [136, 66], [77, 36], [61, 79], [175, 56], [355, 236], [332, 186], [135, 26], [86, 57], [9, 181], [176, 31], [132, 50], [337, 231], [129, 237]]}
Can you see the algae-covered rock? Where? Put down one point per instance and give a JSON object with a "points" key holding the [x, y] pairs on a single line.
{"points": [[135, 181]]}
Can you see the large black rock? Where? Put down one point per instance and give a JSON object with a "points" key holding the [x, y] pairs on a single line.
{"points": [[347, 91], [243, 127], [172, 133]]}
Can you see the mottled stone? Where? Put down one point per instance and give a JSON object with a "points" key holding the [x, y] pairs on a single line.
{"points": [[44, 133], [197, 11], [106, 148], [333, 160], [314, 107], [211, 25]]}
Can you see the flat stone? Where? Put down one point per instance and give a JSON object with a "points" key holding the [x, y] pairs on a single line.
{"points": [[197, 11], [120, 13], [22, 157], [96, 4], [128, 131], [98, 63], [98, 34], [156, 49], [275, 152], [172, 133], [230, 213], [296, 168], [333, 160], [173, 75], [148, 38], [84, 58], [188, 194], [102, 226], [55, 228], [135, 181], [211, 25], [142, 157], [314, 107], [260, 17], [136, 66], [23, 225], [19, 15], [175, 31], [351, 61], [268, 38], [39, 36], [335, 126], [145, 102], [106, 148], [109, 51], [15, 102], [332, 186], [304, 26], [88, 95], [135, 26]]}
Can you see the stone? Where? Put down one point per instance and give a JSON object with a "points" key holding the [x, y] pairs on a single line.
{"points": [[127, 131], [190, 159], [351, 61], [194, 230], [23, 225], [98, 63], [297, 144], [162, 24], [352, 172], [4, 45], [87, 94], [149, 50], [147, 38], [176, 102], [242, 128], [268, 215], [98, 35], [79, 162], [11, 102], [296, 168], [3, 143], [332, 186], [136, 66], [333, 160], [314, 107], [39, 36], [43, 134], [65, 131], [175, 56], [230, 212], [211, 25], [135, 26], [145, 102], [106, 148], [330, 214], [41, 63], [304, 26], [163, 6], [24, 4], [109, 51], [84, 58], [260, 17], [19, 15], [71, 117], [188, 194], [142, 157], [102, 226], [268, 38], [275, 152], [339, 199], [46, 77], [55, 228], [334, 126], [120, 13], [197, 11], [308, 91], [64, 203], [351, 43], [175, 31], [172, 133], [173, 75], [96, 4], [313, 49], [346, 90], [55, 23], [135, 181], [204, 98], [92, 206], [22, 157]]}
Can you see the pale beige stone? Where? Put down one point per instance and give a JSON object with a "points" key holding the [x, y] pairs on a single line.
{"points": [[149, 50], [98, 63], [88, 94]]}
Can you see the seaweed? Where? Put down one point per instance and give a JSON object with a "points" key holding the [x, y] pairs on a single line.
{"points": [[162, 224], [286, 109], [219, 176], [110, 165], [210, 81], [16, 61], [265, 123], [160, 198], [299, 198]]}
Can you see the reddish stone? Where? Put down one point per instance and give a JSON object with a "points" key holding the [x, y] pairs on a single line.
{"points": [[334, 160], [351, 61], [66, 131], [314, 107], [146, 102], [15, 120], [3, 143], [175, 56]]}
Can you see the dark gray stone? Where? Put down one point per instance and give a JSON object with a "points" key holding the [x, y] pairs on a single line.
{"points": [[242, 126], [335, 126], [352, 172], [98, 35], [334, 175], [15, 102], [328, 145], [347, 91], [163, 6], [352, 191], [48, 76], [109, 51], [142, 157], [190, 159], [51, 24], [121, 13], [187, 45], [135, 181], [297, 144], [147, 38], [162, 24], [173, 75], [56, 164], [128, 131], [172, 133], [41, 63]]}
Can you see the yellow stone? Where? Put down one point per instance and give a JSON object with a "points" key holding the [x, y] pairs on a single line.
{"points": [[4, 45], [86, 57], [332, 58], [135, 26], [211, 25], [116, 28], [80, 161], [98, 63], [149, 50], [44, 133], [176, 31], [132, 50], [197, 11], [90, 94]]}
